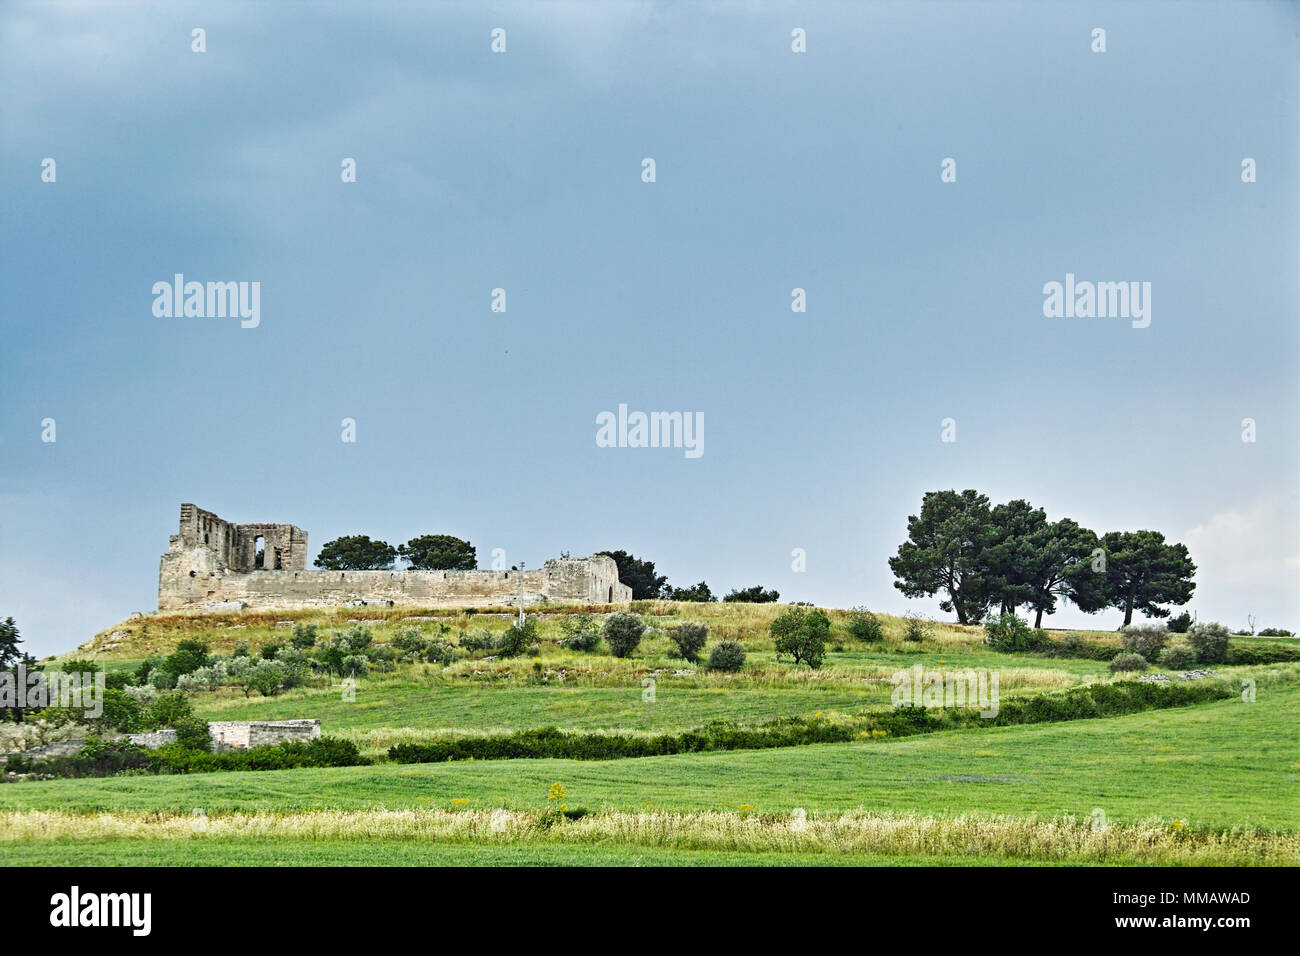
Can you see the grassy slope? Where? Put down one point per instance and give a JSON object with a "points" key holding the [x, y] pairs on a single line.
{"points": [[1220, 765]]}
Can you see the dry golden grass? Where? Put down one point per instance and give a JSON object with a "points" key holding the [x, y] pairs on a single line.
{"points": [[905, 835]]}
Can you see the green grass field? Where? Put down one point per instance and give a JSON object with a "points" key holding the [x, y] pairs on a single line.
{"points": [[1223, 778]]}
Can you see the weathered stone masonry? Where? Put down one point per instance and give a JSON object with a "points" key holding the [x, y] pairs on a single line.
{"points": [[214, 565]]}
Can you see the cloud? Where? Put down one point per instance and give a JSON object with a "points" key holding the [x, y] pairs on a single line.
{"points": [[1248, 561]]}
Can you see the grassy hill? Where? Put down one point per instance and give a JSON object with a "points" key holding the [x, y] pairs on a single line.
{"points": [[1215, 783]]}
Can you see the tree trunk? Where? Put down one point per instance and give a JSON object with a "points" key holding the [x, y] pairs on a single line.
{"points": [[1038, 621], [1128, 611]]}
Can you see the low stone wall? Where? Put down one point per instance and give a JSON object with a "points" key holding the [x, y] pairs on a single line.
{"points": [[243, 734], [153, 739]]}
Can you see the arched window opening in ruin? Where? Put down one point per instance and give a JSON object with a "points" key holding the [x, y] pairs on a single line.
{"points": [[279, 560], [259, 553], [611, 595], [205, 537]]}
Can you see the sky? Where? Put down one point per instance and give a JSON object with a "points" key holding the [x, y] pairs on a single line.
{"points": [[523, 171]]}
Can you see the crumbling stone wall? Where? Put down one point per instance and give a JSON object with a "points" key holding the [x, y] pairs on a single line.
{"points": [[209, 568], [243, 734]]}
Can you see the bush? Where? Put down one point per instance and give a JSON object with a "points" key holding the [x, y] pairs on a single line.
{"points": [[440, 652], [169, 710], [121, 712], [727, 656], [1010, 634], [688, 640], [188, 657], [147, 666], [1180, 623], [241, 649], [118, 680], [1144, 639], [516, 639], [78, 666], [162, 679], [623, 632], [802, 635], [295, 662], [1275, 632], [341, 647], [1128, 662], [304, 636], [192, 733], [267, 677], [1178, 657], [478, 640], [1210, 642], [410, 644], [917, 628], [862, 625], [580, 632], [270, 649], [754, 595]]}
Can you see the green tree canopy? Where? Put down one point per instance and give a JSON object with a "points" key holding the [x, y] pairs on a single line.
{"points": [[357, 552], [753, 595], [439, 552], [699, 593], [1143, 573], [944, 551], [639, 576]]}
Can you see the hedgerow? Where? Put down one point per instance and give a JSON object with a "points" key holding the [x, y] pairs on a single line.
{"points": [[1097, 700]]}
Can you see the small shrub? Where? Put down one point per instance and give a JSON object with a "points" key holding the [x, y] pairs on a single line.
{"points": [[516, 639], [917, 628], [1128, 661], [440, 652], [78, 666], [1144, 639], [267, 677], [1275, 632], [270, 649], [192, 733], [1178, 657], [580, 632], [121, 712], [623, 632], [1009, 634], [862, 625], [241, 649], [478, 640], [688, 640], [304, 636], [410, 644], [169, 710], [801, 634], [1209, 640], [188, 657], [727, 656], [1179, 623], [752, 595]]}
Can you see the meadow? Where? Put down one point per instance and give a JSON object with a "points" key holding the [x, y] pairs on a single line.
{"points": [[1209, 784]]}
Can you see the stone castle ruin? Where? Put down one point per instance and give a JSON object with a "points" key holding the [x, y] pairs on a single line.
{"points": [[213, 566]]}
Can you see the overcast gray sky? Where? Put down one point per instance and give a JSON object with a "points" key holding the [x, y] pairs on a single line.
{"points": [[523, 170]]}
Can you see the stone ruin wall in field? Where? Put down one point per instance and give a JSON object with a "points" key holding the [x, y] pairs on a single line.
{"points": [[212, 566]]}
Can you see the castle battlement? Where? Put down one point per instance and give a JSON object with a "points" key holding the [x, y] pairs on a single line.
{"points": [[215, 565]]}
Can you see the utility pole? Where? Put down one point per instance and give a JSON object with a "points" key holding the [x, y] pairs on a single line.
{"points": [[521, 594]]}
